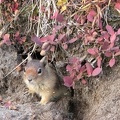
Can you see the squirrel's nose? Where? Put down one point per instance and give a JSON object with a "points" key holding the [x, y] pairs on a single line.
{"points": [[29, 80]]}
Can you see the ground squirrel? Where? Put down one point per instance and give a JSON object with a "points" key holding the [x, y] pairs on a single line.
{"points": [[42, 78]]}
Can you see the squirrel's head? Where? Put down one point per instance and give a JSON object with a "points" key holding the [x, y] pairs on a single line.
{"points": [[35, 71]]}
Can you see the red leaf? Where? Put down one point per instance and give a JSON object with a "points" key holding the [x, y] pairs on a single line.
{"points": [[6, 39], [105, 45], [117, 6], [96, 49], [106, 36], [96, 71], [91, 15], [112, 38], [117, 53], [77, 18], [77, 67], [8, 104], [45, 46], [61, 37], [43, 39], [1, 1], [15, 6], [22, 40], [54, 15], [65, 46], [90, 38], [68, 81], [52, 48], [36, 40], [57, 27], [108, 54], [91, 51], [111, 45], [58, 17], [112, 62], [89, 69], [72, 40], [99, 39], [79, 75], [118, 32], [69, 68], [92, 12], [110, 29], [43, 8], [17, 34], [73, 60], [83, 69], [83, 81], [115, 49], [90, 18], [73, 74], [94, 34], [82, 20], [50, 37]]}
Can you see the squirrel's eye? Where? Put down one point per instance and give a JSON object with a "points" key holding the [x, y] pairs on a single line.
{"points": [[39, 71]]}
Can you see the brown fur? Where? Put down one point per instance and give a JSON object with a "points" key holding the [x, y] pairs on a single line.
{"points": [[46, 84]]}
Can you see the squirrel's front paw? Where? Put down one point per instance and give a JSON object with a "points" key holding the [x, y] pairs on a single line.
{"points": [[43, 101], [31, 92]]}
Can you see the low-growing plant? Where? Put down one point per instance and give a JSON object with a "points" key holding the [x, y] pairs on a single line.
{"points": [[81, 21]]}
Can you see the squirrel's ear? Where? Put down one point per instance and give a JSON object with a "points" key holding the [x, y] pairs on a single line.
{"points": [[44, 60], [29, 57]]}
